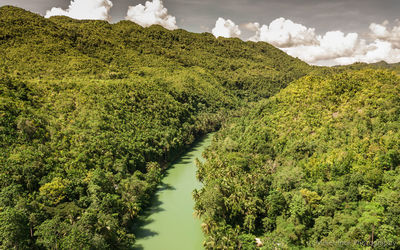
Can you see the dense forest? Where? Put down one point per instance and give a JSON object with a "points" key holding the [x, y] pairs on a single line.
{"points": [[91, 113], [316, 165]]}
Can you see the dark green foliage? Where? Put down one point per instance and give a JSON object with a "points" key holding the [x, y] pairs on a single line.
{"points": [[14, 230], [318, 162]]}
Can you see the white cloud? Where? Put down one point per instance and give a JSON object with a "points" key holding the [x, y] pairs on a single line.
{"points": [[377, 51], [337, 48], [151, 13], [226, 28], [332, 45], [84, 9], [336, 43], [284, 33], [332, 48], [252, 26], [378, 30], [384, 33]]}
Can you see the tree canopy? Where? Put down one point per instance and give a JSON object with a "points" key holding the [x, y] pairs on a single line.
{"points": [[92, 112], [315, 164]]}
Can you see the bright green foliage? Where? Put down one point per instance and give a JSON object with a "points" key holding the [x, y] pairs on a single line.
{"points": [[316, 163], [54, 191]]}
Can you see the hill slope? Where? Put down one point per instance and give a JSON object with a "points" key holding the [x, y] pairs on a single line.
{"points": [[316, 165], [62, 47]]}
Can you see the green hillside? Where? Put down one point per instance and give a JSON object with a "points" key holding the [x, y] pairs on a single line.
{"points": [[316, 165], [91, 112], [34, 47]]}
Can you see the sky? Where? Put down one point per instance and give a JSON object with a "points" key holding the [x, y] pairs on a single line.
{"points": [[320, 32]]}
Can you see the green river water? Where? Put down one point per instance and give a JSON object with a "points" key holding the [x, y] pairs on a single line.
{"points": [[169, 224]]}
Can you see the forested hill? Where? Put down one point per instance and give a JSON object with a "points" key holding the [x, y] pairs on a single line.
{"points": [[316, 166], [90, 112], [34, 47]]}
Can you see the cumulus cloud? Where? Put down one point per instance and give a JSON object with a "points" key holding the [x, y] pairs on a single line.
{"points": [[337, 48], [333, 47], [374, 52], [384, 33], [226, 28], [284, 33], [151, 13], [379, 30], [84, 9], [252, 27]]}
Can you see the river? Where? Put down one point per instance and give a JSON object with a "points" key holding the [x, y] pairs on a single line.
{"points": [[169, 224]]}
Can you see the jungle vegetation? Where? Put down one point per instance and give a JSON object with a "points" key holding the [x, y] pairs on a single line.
{"points": [[316, 166], [91, 113]]}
